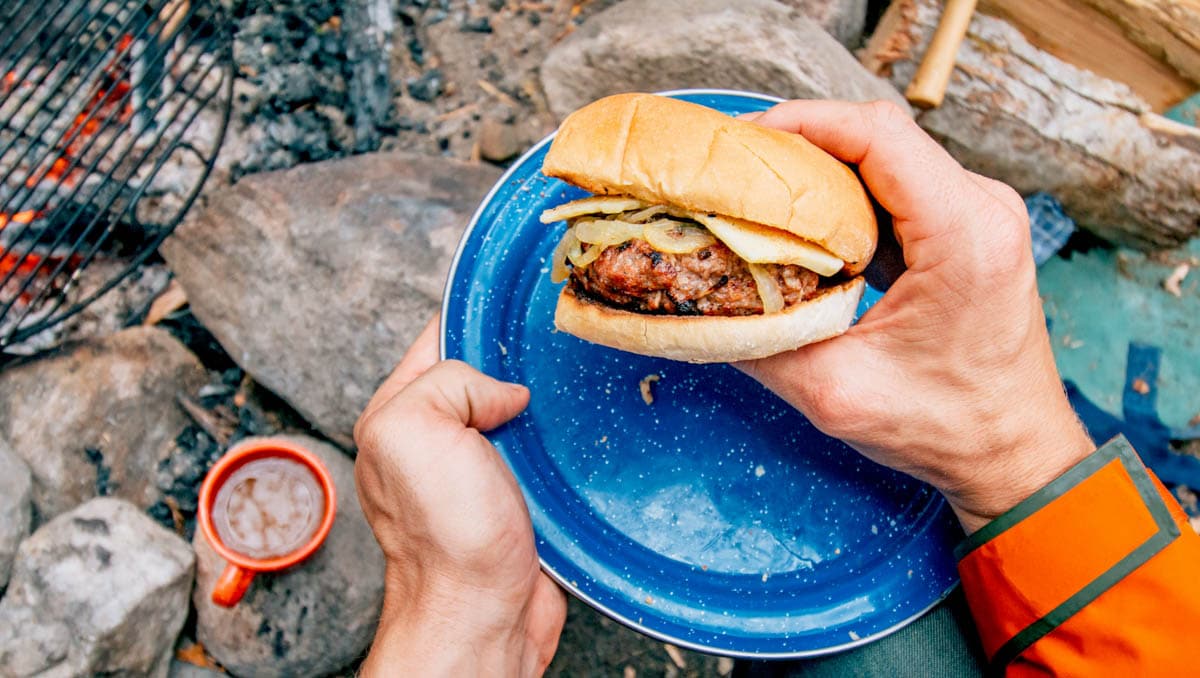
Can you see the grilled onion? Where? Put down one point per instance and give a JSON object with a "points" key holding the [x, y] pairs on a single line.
{"points": [[606, 232], [558, 260], [595, 205], [642, 216], [768, 287], [673, 237], [759, 244], [580, 259]]}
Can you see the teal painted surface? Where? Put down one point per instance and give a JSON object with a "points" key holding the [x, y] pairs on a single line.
{"points": [[1100, 301], [1187, 111]]}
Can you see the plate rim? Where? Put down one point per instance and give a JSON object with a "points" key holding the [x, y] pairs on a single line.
{"points": [[545, 567]]}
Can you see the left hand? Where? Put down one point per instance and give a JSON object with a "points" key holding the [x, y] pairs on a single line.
{"points": [[464, 591]]}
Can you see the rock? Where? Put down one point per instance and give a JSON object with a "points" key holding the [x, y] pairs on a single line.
{"points": [[843, 19], [100, 590], [309, 620], [16, 507], [316, 279], [1020, 115], [427, 87], [98, 417], [498, 141], [654, 45]]}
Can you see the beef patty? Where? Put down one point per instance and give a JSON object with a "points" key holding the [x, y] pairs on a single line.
{"points": [[710, 281]]}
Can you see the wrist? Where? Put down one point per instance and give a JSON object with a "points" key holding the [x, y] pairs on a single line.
{"points": [[1017, 470], [437, 628]]}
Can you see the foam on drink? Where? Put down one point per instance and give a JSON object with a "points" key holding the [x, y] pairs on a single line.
{"points": [[268, 508]]}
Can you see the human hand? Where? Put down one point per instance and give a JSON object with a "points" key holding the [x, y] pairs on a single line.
{"points": [[950, 377], [464, 592]]}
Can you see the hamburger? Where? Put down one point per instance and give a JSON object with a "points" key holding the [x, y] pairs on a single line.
{"points": [[706, 238]]}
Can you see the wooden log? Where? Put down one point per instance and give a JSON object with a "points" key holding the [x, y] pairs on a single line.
{"points": [[1021, 115], [1169, 29], [1085, 36]]}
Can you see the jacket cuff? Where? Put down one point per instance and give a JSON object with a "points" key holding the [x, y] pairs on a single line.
{"points": [[1034, 567]]}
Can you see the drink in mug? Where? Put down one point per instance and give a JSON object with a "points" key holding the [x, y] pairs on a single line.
{"points": [[268, 508]]}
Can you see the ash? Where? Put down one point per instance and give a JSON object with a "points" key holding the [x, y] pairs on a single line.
{"points": [[318, 80]]}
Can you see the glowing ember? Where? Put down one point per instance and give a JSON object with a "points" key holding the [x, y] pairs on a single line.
{"points": [[19, 218], [113, 89]]}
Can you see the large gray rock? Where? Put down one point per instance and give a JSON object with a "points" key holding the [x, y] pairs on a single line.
{"points": [[101, 590], [16, 507], [98, 417], [310, 620], [316, 279], [843, 19], [653, 45]]}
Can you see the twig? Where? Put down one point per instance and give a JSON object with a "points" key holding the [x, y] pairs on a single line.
{"points": [[460, 111], [497, 93], [218, 430], [167, 302]]}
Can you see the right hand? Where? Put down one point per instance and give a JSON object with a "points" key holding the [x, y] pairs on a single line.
{"points": [[950, 377]]}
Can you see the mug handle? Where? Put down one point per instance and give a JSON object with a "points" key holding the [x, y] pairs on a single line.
{"points": [[231, 585]]}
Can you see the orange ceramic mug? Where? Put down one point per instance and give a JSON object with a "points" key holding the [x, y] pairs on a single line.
{"points": [[242, 568]]}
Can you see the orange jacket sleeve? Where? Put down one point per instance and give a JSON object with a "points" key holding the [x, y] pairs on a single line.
{"points": [[1095, 574]]}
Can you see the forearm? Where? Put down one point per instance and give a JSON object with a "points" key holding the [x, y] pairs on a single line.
{"points": [[432, 630], [441, 647]]}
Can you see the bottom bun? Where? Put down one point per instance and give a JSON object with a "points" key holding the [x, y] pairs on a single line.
{"points": [[711, 339]]}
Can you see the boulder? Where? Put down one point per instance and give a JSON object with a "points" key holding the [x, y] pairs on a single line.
{"points": [[843, 19], [310, 620], [316, 279], [100, 590], [96, 418], [653, 45], [16, 507]]}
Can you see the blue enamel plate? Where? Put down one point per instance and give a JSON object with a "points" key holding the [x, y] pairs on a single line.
{"points": [[716, 518]]}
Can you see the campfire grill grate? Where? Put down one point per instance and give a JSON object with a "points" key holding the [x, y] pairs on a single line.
{"points": [[111, 116]]}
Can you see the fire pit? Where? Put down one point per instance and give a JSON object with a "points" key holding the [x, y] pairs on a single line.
{"points": [[111, 115]]}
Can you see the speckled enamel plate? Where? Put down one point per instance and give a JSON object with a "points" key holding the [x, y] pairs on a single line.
{"points": [[716, 518]]}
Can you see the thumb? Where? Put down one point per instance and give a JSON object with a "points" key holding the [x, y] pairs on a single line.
{"points": [[806, 378], [454, 390]]}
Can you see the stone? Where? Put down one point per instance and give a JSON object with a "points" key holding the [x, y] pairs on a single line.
{"points": [[1020, 115], [653, 45], [16, 507], [843, 19], [310, 620], [99, 590], [96, 418], [428, 86], [498, 141], [316, 279]]}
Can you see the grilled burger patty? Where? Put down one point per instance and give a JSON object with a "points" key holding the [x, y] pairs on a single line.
{"points": [[710, 281]]}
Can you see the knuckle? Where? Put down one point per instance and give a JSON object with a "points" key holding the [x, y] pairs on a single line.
{"points": [[1006, 248], [887, 114]]}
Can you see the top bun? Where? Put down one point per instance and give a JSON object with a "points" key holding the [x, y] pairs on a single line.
{"points": [[664, 150]]}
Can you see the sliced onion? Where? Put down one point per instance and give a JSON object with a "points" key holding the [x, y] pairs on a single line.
{"points": [[642, 216], [601, 204], [768, 287], [606, 232], [581, 259], [558, 260], [673, 237], [760, 244]]}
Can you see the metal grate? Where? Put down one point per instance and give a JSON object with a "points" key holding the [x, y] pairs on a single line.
{"points": [[111, 116]]}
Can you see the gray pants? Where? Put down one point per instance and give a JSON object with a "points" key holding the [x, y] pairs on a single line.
{"points": [[941, 643]]}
